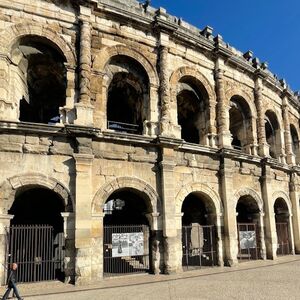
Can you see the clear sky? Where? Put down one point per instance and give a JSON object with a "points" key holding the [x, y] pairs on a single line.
{"points": [[270, 28]]}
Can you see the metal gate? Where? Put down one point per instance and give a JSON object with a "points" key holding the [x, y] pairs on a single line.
{"points": [[283, 243], [248, 237], [38, 251], [126, 249], [198, 246]]}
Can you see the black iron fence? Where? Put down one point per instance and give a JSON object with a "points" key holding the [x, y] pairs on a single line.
{"points": [[249, 242], [283, 242], [38, 251], [126, 249], [198, 246]]}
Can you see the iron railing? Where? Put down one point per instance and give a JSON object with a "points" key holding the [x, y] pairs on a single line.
{"points": [[126, 249], [38, 251], [123, 127], [198, 246], [249, 243], [283, 243]]}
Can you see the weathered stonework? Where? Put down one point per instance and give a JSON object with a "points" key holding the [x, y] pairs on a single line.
{"points": [[200, 118]]}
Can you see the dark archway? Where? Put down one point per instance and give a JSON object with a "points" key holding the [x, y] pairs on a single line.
{"points": [[272, 131], [295, 142], [128, 95], [240, 123], [192, 112], [43, 70], [199, 243], [126, 233], [282, 214], [249, 229], [36, 239]]}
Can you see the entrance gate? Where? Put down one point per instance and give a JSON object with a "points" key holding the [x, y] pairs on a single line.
{"points": [[283, 243], [198, 246], [126, 249], [248, 241], [38, 251]]}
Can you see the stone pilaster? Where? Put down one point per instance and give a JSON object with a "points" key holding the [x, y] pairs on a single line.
{"points": [[172, 238], [67, 112], [8, 108], [224, 135], [294, 196], [168, 121], [263, 147], [84, 109], [211, 135], [259, 219], [97, 247], [4, 225], [83, 235], [230, 224], [69, 236], [290, 156], [269, 219]]}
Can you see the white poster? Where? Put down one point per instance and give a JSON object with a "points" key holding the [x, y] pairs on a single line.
{"points": [[127, 244], [247, 239]]}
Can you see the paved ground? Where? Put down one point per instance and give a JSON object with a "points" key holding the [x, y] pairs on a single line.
{"points": [[255, 280]]}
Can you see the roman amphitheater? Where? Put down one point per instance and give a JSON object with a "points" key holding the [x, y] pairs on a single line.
{"points": [[133, 142]]}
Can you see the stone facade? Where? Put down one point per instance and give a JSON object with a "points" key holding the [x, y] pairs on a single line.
{"points": [[238, 140]]}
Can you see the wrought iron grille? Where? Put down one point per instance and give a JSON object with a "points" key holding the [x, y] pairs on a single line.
{"points": [[249, 242], [283, 243], [198, 246], [126, 249], [38, 251]]}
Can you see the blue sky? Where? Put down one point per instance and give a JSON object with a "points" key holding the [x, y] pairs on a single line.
{"points": [[270, 28]]}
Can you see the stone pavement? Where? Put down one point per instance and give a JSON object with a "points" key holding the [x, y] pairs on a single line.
{"points": [[252, 280]]}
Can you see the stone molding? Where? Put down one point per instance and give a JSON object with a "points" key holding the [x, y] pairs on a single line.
{"points": [[11, 185], [249, 192], [203, 189], [102, 59], [10, 36], [284, 196], [126, 182]]}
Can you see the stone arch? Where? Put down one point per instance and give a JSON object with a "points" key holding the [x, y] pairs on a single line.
{"points": [[9, 188], [9, 37], [248, 192], [104, 56], [192, 72], [273, 110], [245, 96], [285, 197], [125, 182], [202, 188]]}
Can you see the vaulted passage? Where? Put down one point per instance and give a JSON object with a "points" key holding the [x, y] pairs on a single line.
{"points": [[199, 245], [273, 134], [192, 112], [36, 236], [43, 75], [249, 229], [126, 233], [128, 95], [240, 123]]}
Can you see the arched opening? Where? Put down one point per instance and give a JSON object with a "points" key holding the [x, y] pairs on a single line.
{"points": [[273, 134], [282, 227], [240, 123], [295, 142], [192, 112], [249, 229], [199, 244], [128, 95], [41, 77], [126, 233], [36, 239]]}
